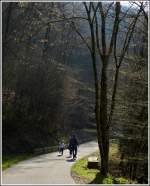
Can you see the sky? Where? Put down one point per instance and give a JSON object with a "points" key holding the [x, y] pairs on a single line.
{"points": [[126, 3]]}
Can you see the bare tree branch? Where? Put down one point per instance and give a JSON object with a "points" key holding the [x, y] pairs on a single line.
{"points": [[95, 11], [103, 28], [115, 27], [109, 7], [97, 30], [141, 6], [128, 37], [81, 36], [125, 46]]}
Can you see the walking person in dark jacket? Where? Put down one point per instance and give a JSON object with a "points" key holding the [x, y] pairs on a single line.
{"points": [[73, 144], [70, 148]]}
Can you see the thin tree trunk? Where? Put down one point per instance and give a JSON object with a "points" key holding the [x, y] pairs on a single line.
{"points": [[96, 79], [103, 118], [113, 95], [97, 93]]}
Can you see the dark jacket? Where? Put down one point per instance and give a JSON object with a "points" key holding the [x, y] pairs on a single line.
{"points": [[73, 142]]}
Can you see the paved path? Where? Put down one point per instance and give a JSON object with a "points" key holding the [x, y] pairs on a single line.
{"points": [[46, 169]]}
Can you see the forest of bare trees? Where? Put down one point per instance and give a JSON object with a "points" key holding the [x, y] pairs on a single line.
{"points": [[69, 67]]}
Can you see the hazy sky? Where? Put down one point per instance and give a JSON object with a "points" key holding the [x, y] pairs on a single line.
{"points": [[126, 3]]}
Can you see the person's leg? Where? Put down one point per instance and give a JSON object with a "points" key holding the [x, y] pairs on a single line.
{"points": [[75, 149], [70, 151]]}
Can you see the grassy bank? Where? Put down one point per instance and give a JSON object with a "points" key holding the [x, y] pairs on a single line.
{"points": [[82, 174], [9, 160]]}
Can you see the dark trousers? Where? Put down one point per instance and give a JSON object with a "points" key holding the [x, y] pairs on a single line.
{"points": [[61, 150], [74, 151], [70, 151]]}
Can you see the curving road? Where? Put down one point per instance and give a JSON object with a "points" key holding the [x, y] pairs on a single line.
{"points": [[46, 169]]}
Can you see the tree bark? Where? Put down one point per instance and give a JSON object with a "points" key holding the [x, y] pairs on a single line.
{"points": [[113, 95], [103, 118], [97, 93], [103, 121]]}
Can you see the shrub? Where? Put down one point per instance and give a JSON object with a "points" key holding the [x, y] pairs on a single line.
{"points": [[108, 180], [120, 180]]}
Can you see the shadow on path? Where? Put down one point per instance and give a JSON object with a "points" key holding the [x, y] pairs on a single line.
{"points": [[68, 157], [70, 160]]}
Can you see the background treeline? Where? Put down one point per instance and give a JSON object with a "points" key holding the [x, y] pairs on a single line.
{"points": [[41, 100], [48, 83]]}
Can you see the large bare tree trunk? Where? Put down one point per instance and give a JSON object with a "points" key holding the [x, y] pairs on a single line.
{"points": [[103, 119]]}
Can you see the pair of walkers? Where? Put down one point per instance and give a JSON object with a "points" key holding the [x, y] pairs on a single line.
{"points": [[73, 144]]}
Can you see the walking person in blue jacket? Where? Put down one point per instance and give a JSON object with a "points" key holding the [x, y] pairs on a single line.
{"points": [[61, 147]]}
